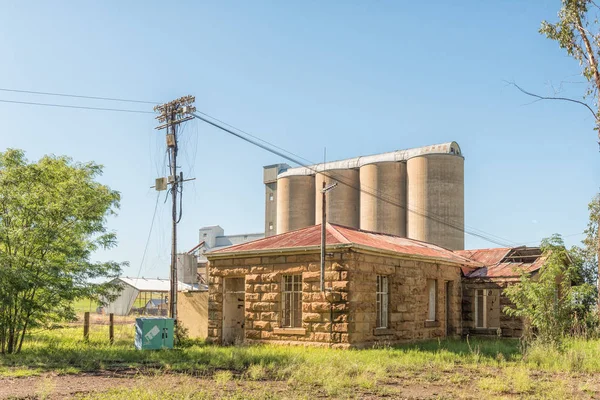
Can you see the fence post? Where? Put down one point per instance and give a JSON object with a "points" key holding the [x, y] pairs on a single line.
{"points": [[111, 328], [86, 326]]}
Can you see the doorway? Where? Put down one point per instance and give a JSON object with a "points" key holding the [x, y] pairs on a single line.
{"points": [[233, 310]]}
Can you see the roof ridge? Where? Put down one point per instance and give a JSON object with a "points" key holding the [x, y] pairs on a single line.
{"points": [[333, 229], [233, 247]]}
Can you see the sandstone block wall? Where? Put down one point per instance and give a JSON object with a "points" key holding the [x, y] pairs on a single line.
{"points": [[408, 300], [345, 315], [324, 315]]}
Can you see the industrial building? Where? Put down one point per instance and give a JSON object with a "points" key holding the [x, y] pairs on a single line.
{"points": [[416, 193], [211, 238], [143, 290]]}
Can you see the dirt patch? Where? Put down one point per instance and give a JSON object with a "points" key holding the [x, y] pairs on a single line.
{"points": [[52, 386], [459, 383]]}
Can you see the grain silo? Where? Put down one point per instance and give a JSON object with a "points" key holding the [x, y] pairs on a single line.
{"points": [[343, 201], [295, 202], [436, 199], [416, 193], [383, 197]]}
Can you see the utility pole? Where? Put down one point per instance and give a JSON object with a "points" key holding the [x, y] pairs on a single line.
{"points": [[170, 116], [324, 230]]}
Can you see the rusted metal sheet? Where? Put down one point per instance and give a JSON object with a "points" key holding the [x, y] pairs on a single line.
{"points": [[486, 256], [337, 234], [504, 262], [305, 237], [399, 244]]}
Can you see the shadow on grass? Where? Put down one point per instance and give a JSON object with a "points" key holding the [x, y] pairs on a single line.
{"points": [[64, 350], [48, 353], [480, 347]]}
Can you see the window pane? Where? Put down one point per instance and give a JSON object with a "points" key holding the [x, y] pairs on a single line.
{"points": [[382, 301], [291, 310], [297, 309], [432, 299]]}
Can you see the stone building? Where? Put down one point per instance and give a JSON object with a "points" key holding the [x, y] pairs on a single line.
{"points": [[379, 289], [483, 298]]}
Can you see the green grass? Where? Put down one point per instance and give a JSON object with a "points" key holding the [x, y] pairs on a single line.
{"points": [[83, 305], [491, 366]]}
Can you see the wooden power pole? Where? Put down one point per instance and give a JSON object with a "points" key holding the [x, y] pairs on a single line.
{"points": [[170, 116]]}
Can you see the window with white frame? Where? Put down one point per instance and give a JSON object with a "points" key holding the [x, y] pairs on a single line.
{"points": [[382, 301], [292, 302], [432, 296]]}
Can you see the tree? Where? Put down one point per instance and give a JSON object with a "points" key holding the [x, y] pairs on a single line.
{"points": [[591, 244], [585, 257], [578, 32], [549, 302], [53, 217]]}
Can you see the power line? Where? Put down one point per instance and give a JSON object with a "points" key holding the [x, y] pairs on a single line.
{"points": [[563, 236], [265, 145], [257, 138], [77, 107], [77, 96], [484, 236], [147, 242], [123, 100], [430, 215]]}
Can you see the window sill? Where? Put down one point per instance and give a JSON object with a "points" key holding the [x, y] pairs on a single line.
{"points": [[382, 331], [432, 324], [290, 331]]}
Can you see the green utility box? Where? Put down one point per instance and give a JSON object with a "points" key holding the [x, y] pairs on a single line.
{"points": [[154, 333]]}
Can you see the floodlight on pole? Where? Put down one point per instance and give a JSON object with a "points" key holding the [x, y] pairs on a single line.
{"points": [[324, 192]]}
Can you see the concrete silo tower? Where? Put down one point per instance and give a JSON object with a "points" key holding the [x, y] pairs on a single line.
{"points": [[416, 193], [343, 203], [295, 202], [383, 197], [436, 211]]}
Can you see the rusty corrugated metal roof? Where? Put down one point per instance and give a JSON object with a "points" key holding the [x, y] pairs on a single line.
{"points": [[337, 234], [503, 262], [485, 256]]}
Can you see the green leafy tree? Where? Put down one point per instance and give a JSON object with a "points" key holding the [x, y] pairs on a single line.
{"points": [[52, 219], [548, 302], [586, 256]]}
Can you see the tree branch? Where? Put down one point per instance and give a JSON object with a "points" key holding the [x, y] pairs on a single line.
{"points": [[537, 96], [589, 50]]}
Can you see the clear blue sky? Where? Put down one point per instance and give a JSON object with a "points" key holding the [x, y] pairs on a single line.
{"points": [[357, 77]]}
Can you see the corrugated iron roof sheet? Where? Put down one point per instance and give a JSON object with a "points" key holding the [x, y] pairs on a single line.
{"points": [[154, 285], [485, 256], [337, 234], [498, 262]]}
